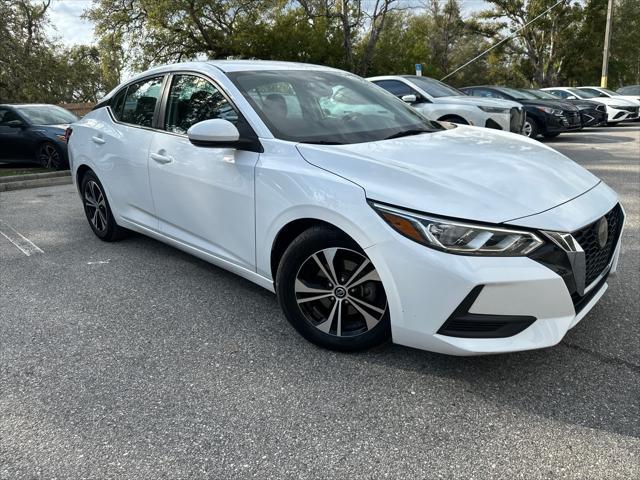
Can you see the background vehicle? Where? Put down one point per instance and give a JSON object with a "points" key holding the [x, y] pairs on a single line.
{"points": [[618, 110], [35, 133], [548, 118], [604, 92], [592, 114], [322, 206], [439, 101], [633, 90]]}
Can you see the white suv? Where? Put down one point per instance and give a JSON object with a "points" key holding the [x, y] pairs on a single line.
{"points": [[439, 101], [370, 225]]}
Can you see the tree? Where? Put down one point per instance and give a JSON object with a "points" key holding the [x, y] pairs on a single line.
{"points": [[542, 47]]}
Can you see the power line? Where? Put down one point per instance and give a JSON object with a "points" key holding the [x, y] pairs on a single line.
{"points": [[503, 40]]}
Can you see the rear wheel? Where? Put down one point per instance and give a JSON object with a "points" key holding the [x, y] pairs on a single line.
{"points": [[331, 292], [98, 211]]}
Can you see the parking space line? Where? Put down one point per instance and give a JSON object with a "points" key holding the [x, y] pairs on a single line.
{"points": [[21, 242]]}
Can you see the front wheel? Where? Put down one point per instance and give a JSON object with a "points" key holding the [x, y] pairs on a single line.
{"points": [[49, 156], [530, 128], [331, 292]]}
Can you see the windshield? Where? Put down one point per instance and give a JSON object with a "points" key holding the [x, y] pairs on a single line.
{"points": [[47, 114], [311, 106], [540, 94], [580, 93], [610, 92], [517, 94], [435, 88]]}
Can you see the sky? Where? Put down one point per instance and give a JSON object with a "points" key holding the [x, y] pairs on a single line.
{"points": [[67, 25]]}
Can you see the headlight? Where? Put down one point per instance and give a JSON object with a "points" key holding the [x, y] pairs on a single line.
{"points": [[459, 237], [494, 109], [550, 111], [618, 107]]}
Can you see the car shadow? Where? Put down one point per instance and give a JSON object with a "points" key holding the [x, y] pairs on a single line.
{"points": [[566, 383]]}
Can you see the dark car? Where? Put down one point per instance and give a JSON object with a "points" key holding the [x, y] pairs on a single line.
{"points": [[548, 118], [592, 114], [35, 133]]}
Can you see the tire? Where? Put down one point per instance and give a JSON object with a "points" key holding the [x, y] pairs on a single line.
{"points": [[334, 318], [551, 135], [454, 119], [530, 128], [98, 211], [50, 156]]}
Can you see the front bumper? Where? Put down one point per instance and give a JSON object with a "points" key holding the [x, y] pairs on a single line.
{"points": [[521, 303]]}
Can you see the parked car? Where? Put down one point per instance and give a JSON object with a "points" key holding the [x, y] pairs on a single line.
{"points": [[548, 118], [592, 114], [439, 101], [368, 226], [604, 92], [617, 110], [34, 133], [633, 90]]}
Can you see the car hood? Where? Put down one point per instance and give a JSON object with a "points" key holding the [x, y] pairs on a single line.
{"points": [[613, 101], [484, 102], [464, 172], [60, 127], [633, 99], [559, 104]]}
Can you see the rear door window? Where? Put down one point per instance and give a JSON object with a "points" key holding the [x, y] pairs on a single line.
{"points": [[140, 102], [399, 89]]}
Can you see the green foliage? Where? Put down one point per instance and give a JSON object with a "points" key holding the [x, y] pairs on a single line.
{"points": [[34, 69], [367, 37]]}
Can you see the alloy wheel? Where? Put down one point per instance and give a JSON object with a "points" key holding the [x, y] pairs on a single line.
{"points": [[48, 156], [339, 292], [95, 205], [527, 129]]}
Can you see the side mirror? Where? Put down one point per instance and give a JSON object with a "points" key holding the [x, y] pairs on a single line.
{"points": [[16, 123], [409, 98], [214, 133]]}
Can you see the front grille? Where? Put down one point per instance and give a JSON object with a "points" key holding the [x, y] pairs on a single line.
{"points": [[597, 258], [516, 120], [601, 108], [572, 118]]}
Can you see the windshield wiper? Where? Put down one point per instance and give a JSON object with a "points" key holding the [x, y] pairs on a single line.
{"points": [[407, 133]]}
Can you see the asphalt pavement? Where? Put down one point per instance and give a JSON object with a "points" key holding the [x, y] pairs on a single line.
{"points": [[135, 360]]}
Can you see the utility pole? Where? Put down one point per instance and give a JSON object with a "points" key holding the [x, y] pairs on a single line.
{"points": [[607, 41]]}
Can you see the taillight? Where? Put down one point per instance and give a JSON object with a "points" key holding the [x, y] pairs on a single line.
{"points": [[67, 134]]}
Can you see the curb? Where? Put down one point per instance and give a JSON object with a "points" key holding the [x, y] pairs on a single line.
{"points": [[34, 180]]}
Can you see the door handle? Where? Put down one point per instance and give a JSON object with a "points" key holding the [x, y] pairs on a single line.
{"points": [[98, 140], [161, 158]]}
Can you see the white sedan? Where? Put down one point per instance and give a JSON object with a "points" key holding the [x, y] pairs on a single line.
{"points": [[606, 93], [369, 226], [618, 109], [441, 102]]}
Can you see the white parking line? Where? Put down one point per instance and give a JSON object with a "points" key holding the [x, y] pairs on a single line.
{"points": [[21, 242]]}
